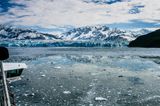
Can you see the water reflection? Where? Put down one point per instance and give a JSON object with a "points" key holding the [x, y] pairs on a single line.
{"points": [[89, 79]]}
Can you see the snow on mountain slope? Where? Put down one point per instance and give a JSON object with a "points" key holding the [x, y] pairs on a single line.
{"points": [[12, 33], [102, 34]]}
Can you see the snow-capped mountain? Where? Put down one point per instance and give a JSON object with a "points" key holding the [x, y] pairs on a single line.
{"points": [[88, 36], [113, 37], [12, 33]]}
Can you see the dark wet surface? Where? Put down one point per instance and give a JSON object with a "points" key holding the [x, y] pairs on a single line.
{"points": [[87, 77]]}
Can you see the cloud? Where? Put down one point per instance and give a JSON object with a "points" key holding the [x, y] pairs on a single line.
{"points": [[136, 9], [5, 5], [104, 1], [50, 13], [135, 24]]}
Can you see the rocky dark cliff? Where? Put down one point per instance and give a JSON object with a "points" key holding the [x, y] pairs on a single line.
{"points": [[149, 40]]}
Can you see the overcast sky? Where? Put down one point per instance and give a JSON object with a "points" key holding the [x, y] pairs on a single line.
{"points": [[49, 14]]}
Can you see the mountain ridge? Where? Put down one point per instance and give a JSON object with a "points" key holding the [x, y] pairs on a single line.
{"points": [[10, 32], [91, 36]]}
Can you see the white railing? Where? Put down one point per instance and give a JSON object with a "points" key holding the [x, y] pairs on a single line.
{"points": [[7, 101]]}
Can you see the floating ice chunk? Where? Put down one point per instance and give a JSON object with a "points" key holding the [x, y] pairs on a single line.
{"points": [[90, 104], [61, 86], [118, 93], [100, 99], [32, 94], [66, 92], [53, 62], [11, 86], [58, 67], [25, 95], [151, 98], [93, 74], [43, 75], [91, 85]]}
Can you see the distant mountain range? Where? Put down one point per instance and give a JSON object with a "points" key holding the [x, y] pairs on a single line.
{"points": [[12, 33], [88, 36]]}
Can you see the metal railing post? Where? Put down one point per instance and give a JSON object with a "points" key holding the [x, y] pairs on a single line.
{"points": [[4, 80]]}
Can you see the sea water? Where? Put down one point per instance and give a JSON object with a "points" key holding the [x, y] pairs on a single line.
{"points": [[87, 77]]}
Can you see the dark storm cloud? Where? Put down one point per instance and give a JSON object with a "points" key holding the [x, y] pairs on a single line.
{"points": [[5, 5]]}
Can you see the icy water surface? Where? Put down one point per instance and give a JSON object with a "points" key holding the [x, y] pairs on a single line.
{"points": [[88, 77]]}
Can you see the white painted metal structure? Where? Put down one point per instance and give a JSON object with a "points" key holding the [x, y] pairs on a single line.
{"points": [[6, 67], [7, 101], [14, 66]]}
